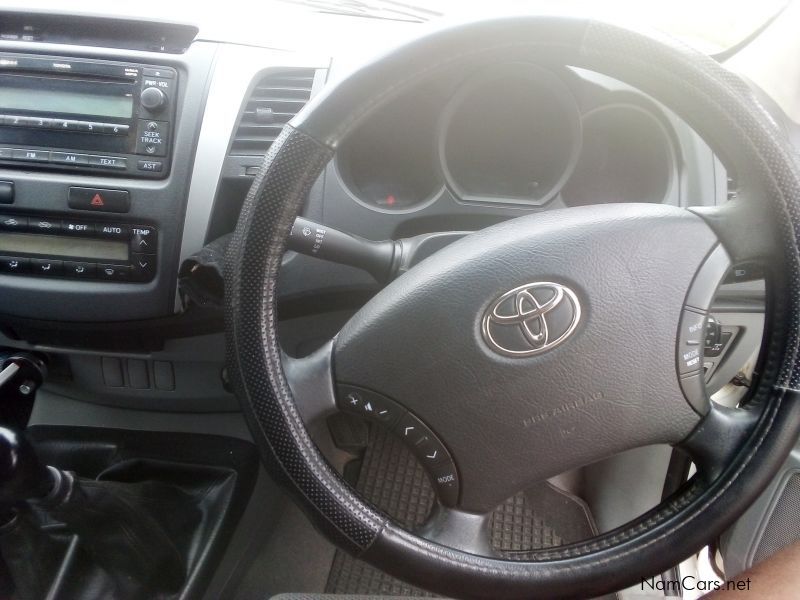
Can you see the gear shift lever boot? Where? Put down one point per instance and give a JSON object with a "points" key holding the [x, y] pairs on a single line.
{"points": [[120, 533]]}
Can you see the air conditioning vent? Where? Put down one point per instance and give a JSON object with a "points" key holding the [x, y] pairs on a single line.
{"points": [[275, 99]]}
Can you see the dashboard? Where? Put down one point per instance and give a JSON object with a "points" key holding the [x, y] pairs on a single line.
{"points": [[123, 156], [128, 144]]}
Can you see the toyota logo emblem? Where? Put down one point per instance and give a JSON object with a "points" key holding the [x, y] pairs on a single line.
{"points": [[531, 319]]}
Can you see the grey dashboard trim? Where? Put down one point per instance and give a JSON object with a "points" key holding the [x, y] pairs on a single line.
{"points": [[234, 70]]}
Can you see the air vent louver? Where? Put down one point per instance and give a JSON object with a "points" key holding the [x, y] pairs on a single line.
{"points": [[275, 99]]}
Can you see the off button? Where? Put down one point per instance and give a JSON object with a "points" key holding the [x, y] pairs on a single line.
{"points": [[96, 199]]}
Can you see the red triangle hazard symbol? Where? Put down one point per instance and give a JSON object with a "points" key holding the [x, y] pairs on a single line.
{"points": [[98, 200]]}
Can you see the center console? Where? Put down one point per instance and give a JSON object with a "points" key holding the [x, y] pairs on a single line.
{"points": [[96, 155]]}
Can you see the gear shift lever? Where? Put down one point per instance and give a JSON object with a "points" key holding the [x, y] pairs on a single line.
{"points": [[120, 535], [22, 474]]}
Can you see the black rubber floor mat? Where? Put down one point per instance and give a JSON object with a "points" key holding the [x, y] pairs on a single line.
{"points": [[392, 479]]}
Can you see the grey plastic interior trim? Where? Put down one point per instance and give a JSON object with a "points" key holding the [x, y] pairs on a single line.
{"points": [[234, 70], [740, 542], [749, 329], [312, 384], [52, 409]]}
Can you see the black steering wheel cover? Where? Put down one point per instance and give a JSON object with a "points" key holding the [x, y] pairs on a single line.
{"points": [[699, 90], [254, 356]]}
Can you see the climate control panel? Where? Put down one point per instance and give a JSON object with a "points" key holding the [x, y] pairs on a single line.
{"points": [[50, 246]]}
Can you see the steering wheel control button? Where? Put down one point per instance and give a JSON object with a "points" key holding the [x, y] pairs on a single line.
{"points": [[690, 342], [694, 390], [709, 276], [421, 440], [749, 271], [713, 332], [445, 480], [715, 349], [96, 199], [369, 404]]}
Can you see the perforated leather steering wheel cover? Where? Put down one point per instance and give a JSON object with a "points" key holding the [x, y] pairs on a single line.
{"points": [[700, 91]]}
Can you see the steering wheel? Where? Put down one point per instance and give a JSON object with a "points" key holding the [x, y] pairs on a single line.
{"points": [[537, 345]]}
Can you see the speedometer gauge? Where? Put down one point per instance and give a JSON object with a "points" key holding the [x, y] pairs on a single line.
{"points": [[390, 164]]}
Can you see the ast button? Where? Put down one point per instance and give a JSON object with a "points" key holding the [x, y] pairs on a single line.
{"points": [[154, 166], [83, 198]]}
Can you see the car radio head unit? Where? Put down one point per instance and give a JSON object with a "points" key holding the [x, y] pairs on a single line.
{"points": [[86, 115]]}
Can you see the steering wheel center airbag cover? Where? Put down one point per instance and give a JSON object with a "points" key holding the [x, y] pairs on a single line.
{"points": [[514, 419]]}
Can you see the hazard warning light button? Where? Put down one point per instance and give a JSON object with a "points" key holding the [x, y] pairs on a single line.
{"points": [[84, 198]]}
